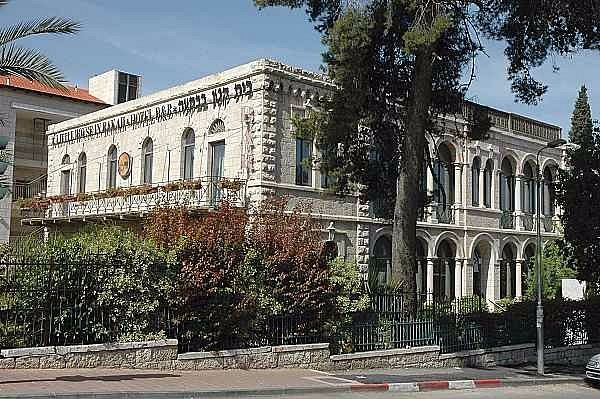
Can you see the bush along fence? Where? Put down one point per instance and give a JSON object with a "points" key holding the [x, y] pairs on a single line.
{"points": [[100, 298]]}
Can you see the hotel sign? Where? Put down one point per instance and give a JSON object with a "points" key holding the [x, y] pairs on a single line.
{"points": [[219, 97]]}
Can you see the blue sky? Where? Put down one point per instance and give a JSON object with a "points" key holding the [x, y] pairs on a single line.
{"points": [[177, 41]]}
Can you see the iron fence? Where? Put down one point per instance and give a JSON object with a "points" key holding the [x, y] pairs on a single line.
{"points": [[56, 301]]}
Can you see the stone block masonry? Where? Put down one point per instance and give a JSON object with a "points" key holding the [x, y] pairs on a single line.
{"points": [[162, 355]]}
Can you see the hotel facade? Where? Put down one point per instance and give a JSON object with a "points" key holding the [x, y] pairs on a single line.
{"points": [[229, 136]]}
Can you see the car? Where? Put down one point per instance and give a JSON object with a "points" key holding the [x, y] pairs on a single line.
{"points": [[592, 370]]}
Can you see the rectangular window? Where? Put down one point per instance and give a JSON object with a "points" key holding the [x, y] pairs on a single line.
{"points": [[487, 188], [127, 88], [475, 186], [148, 168], [303, 162], [112, 173], [217, 166]]}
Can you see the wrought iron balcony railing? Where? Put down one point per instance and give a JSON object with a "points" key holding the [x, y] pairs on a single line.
{"points": [[549, 226], [507, 220], [445, 214], [527, 221], [206, 192], [31, 189]]}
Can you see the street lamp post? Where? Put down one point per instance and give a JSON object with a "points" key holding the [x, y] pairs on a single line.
{"points": [[538, 270]]}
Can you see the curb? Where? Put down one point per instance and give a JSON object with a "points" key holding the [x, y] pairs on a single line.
{"points": [[276, 391], [461, 384]]}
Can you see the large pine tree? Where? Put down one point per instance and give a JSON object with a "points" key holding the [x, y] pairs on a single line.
{"points": [[398, 64], [578, 193]]}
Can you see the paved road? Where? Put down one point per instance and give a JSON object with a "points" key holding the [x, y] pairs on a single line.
{"points": [[563, 391]]}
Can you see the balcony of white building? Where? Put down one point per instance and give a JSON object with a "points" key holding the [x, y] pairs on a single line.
{"points": [[134, 202]]}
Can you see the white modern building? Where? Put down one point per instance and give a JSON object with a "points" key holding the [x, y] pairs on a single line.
{"points": [[229, 135], [26, 110]]}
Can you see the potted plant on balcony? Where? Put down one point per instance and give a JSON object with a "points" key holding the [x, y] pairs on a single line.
{"points": [[233, 185], [191, 184], [171, 186], [83, 197]]}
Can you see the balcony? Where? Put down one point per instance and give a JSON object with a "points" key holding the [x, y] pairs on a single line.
{"points": [[507, 220], [527, 221], [203, 193], [445, 214], [34, 188], [549, 226]]}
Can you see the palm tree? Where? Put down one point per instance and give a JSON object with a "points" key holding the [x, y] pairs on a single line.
{"points": [[30, 63]]}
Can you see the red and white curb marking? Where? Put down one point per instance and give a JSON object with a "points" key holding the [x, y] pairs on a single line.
{"points": [[428, 385]]}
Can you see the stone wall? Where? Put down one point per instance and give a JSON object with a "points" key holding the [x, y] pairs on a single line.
{"points": [[163, 355], [576, 355], [149, 354]]}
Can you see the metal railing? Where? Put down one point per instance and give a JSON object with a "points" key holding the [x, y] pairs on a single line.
{"points": [[445, 213], [513, 123], [507, 220], [549, 226], [34, 188], [201, 193], [527, 221]]}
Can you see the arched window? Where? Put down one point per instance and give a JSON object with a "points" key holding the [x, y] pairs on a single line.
{"points": [[65, 175], [508, 279], [380, 264], [218, 126], [82, 166], [507, 186], [188, 143], [111, 167], [548, 194], [487, 183], [477, 264], [528, 195], [475, 171], [147, 155], [444, 172]]}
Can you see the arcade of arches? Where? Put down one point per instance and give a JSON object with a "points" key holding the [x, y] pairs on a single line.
{"points": [[488, 272]]}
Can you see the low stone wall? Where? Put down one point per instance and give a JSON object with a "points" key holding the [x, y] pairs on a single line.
{"points": [[424, 356], [163, 355], [576, 355], [314, 356], [119, 355]]}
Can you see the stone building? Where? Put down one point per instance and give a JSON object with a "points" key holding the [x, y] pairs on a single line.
{"points": [[230, 135], [26, 110]]}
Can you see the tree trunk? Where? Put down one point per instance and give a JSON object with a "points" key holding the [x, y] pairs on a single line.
{"points": [[404, 239]]}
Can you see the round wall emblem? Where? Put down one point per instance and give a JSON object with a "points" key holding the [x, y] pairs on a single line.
{"points": [[124, 165]]}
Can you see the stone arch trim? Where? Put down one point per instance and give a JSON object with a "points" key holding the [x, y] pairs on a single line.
{"points": [[380, 232], [549, 162], [527, 158], [481, 237], [450, 141], [452, 237], [512, 157], [426, 237], [526, 243], [508, 240]]}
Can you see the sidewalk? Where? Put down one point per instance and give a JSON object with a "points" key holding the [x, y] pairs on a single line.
{"points": [[124, 383]]}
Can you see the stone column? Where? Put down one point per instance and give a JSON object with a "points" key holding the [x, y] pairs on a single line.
{"points": [[457, 183], [458, 200], [496, 286], [519, 282], [430, 280], [481, 185], [467, 278], [509, 292], [518, 203], [447, 279], [458, 272], [419, 276]]}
